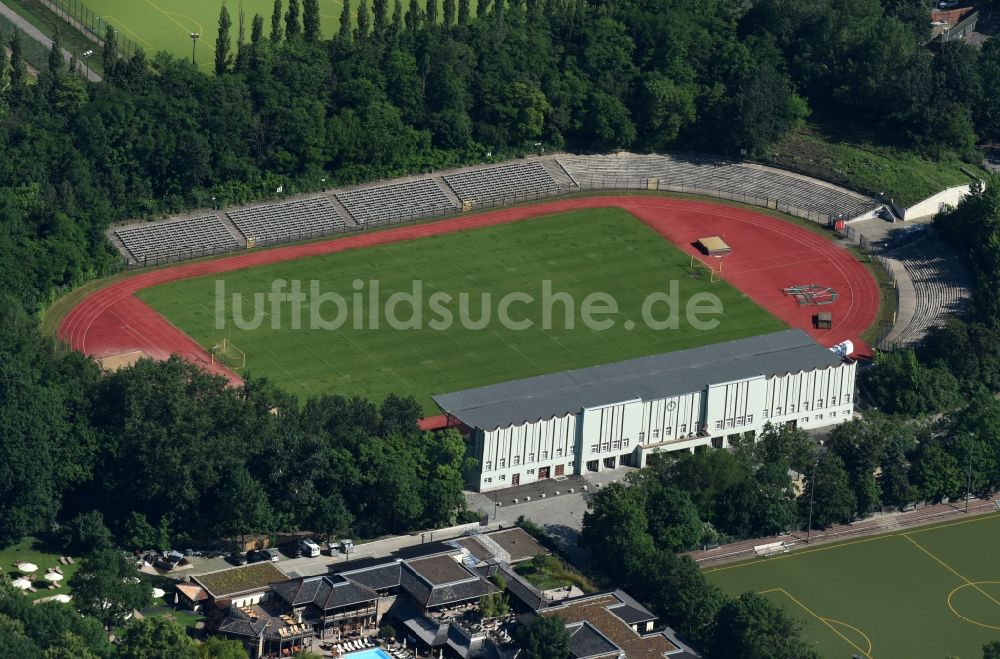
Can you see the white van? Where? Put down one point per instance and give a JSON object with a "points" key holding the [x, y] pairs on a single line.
{"points": [[308, 548]]}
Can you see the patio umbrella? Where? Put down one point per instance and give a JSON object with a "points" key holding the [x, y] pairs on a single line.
{"points": [[27, 568], [65, 599], [21, 583], [158, 593], [53, 576]]}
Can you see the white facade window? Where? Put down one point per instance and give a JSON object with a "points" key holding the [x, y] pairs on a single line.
{"points": [[517, 460], [847, 398], [487, 480], [488, 466], [625, 442], [805, 407], [819, 417], [531, 472], [531, 457], [740, 421], [605, 447], [684, 428], [718, 425], [615, 445], [545, 455], [642, 437], [593, 448], [749, 419], [832, 414], [765, 414], [503, 462], [777, 411], [819, 403], [570, 464], [804, 419], [833, 400], [791, 408], [656, 433], [559, 452], [729, 423], [503, 477]]}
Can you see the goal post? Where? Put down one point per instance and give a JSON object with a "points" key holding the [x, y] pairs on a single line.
{"points": [[228, 355], [698, 269]]}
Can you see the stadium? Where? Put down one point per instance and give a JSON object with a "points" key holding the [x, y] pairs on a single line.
{"points": [[473, 225]]}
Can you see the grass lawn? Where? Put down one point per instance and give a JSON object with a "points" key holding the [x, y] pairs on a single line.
{"points": [[581, 252], [188, 619], [32, 551], [926, 593], [902, 175], [157, 25], [548, 572]]}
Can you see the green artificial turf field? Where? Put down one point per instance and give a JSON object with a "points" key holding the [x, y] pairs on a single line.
{"points": [[157, 25], [928, 593], [581, 252]]}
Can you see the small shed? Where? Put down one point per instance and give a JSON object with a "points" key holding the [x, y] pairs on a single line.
{"points": [[824, 320]]}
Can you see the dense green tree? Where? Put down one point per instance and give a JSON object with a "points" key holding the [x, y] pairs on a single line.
{"points": [[380, 19], [311, 21], [828, 492], [276, 31], [448, 13], [463, 12], [223, 43], [673, 519], [935, 473], [216, 647], [751, 626], [431, 11], [293, 24], [156, 638], [87, 533], [109, 52], [106, 587], [991, 650], [362, 29], [545, 637], [615, 529], [345, 23]]}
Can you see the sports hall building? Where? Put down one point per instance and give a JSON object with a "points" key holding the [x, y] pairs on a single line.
{"points": [[613, 415]]}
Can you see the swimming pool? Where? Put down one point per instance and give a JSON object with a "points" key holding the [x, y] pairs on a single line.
{"points": [[371, 653]]}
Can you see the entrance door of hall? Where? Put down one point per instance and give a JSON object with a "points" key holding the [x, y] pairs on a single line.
{"points": [[543, 473], [515, 480], [560, 470]]}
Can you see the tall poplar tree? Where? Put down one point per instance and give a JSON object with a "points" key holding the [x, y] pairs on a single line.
{"points": [[276, 31], [292, 26], [310, 20], [223, 56]]}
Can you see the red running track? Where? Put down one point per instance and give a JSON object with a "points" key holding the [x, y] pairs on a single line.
{"points": [[768, 255]]}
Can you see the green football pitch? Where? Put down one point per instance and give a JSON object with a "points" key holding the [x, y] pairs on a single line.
{"points": [[156, 25], [581, 252], [931, 592]]}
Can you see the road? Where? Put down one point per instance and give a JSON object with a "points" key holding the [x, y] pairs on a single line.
{"points": [[37, 35]]}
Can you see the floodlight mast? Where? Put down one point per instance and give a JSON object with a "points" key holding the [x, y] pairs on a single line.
{"points": [[194, 42]]}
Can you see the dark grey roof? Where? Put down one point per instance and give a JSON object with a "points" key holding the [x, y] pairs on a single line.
{"points": [[523, 589], [324, 592], [645, 378], [383, 575], [586, 641], [243, 626], [631, 615]]}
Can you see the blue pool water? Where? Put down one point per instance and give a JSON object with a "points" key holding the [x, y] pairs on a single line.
{"points": [[372, 653]]}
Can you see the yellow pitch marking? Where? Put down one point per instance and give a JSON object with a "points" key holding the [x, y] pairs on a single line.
{"points": [[829, 622]]}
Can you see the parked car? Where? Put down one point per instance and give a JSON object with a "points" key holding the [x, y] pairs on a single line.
{"points": [[237, 558], [308, 548], [262, 555], [947, 4]]}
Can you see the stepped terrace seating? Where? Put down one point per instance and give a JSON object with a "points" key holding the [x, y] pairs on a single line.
{"points": [[714, 175], [395, 201], [940, 285], [178, 239], [291, 220], [508, 181]]}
